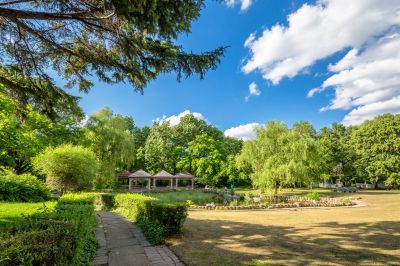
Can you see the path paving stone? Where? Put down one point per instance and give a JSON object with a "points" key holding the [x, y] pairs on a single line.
{"points": [[123, 243]]}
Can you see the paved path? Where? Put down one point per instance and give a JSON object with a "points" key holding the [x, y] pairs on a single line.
{"points": [[121, 243]]}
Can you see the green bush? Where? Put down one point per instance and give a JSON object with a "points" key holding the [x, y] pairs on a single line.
{"points": [[314, 196], [65, 236], [157, 219], [170, 215], [25, 187], [68, 167]]}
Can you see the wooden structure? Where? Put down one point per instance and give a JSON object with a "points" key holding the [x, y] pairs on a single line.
{"points": [[163, 175], [152, 180], [184, 176], [140, 174]]}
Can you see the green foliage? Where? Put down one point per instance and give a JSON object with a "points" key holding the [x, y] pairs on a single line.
{"points": [[25, 187], [157, 219], [14, 212], [170, 215], [61, 237], [314, 195], [111, 138], [67, 167], [24, 133], [337, 153], [159, 149], [117, 41], [280, 156], [377, 145]]}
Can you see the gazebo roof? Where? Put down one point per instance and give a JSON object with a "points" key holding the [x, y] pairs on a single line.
{"points": [[184, 174], [124, 174], [140, 174], [163, 174]]}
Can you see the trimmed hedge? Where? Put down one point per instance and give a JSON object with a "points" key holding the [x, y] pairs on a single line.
{"points": [[63, 237], [25, 188], [157, 219]]}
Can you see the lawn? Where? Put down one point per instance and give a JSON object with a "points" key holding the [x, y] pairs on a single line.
{"points": [[323, 236], [196, 197], [11, 212]]}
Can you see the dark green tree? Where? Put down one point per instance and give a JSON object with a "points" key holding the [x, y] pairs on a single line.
{"points": [[118, 41], [377, 145], [337, 153]]}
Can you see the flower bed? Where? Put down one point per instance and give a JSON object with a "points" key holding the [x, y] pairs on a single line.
{"points": [[290, 203]]}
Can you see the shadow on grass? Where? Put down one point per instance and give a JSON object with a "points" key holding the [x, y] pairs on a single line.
{"points": [[216, 242]]}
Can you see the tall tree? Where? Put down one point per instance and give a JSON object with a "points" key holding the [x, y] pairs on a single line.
{"points": [[24, 133], [377, 145], [118, 41], [280, 156], [159, 149], [337, 153], [111, 138]]}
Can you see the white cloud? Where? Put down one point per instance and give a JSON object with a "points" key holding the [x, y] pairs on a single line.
{"points": [[176, 119], [244, 4], [366, 80], [244, 132], [253, 90], [369, 111]]}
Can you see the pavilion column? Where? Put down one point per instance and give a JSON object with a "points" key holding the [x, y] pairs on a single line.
{"points": [[154, 183], [148, 183], [192, 184], [130, 183], [171, 183], [176, 182]]}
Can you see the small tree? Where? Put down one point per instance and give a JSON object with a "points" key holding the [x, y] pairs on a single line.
{"points": [[67, 167]]}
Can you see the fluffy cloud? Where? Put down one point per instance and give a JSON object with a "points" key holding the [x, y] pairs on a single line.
{"points": [[253, 90], [244, 4], [176, 119], [244, 132], [366, 79]]}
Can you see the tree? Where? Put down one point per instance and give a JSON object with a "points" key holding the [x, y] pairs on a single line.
{"points": [[111, 138], [117, 41], [206, 156], [377, 145], [337, 153], [159, 149], [67, 167], [24, 133], [279, 156]]}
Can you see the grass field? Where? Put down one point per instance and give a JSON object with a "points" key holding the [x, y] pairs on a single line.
{"points": [[11, 212], [368, 235], [197, 197]]}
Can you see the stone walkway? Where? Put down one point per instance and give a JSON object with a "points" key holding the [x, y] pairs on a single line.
{"points": [[122, 243]]}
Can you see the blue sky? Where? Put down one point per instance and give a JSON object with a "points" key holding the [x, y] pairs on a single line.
{"points": [[221, 96]]}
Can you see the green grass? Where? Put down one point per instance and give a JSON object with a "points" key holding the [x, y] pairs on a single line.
{"points": [[13, 212], [196, 197]]}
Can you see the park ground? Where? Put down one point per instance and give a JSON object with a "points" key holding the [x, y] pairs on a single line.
{"points": [[367, 235]]}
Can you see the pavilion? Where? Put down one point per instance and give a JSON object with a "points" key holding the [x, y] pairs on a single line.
{"points": [[184, 176], [152, 180], [140, 174]]}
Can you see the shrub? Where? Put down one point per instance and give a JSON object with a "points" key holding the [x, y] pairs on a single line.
{"points": [[67, 167], [25, 187], [157, 219], [314, 196], [170, 216], [62, 237]]}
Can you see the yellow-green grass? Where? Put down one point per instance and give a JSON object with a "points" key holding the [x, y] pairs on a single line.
{"points": [[12, 212], [197, 197], [368, 235]]}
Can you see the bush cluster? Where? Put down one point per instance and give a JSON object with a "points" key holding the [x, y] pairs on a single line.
{"points": [[63, 237], [157, 219], [25, 187]]}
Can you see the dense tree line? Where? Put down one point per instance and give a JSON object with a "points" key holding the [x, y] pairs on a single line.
{"points": [[278, 156]]}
